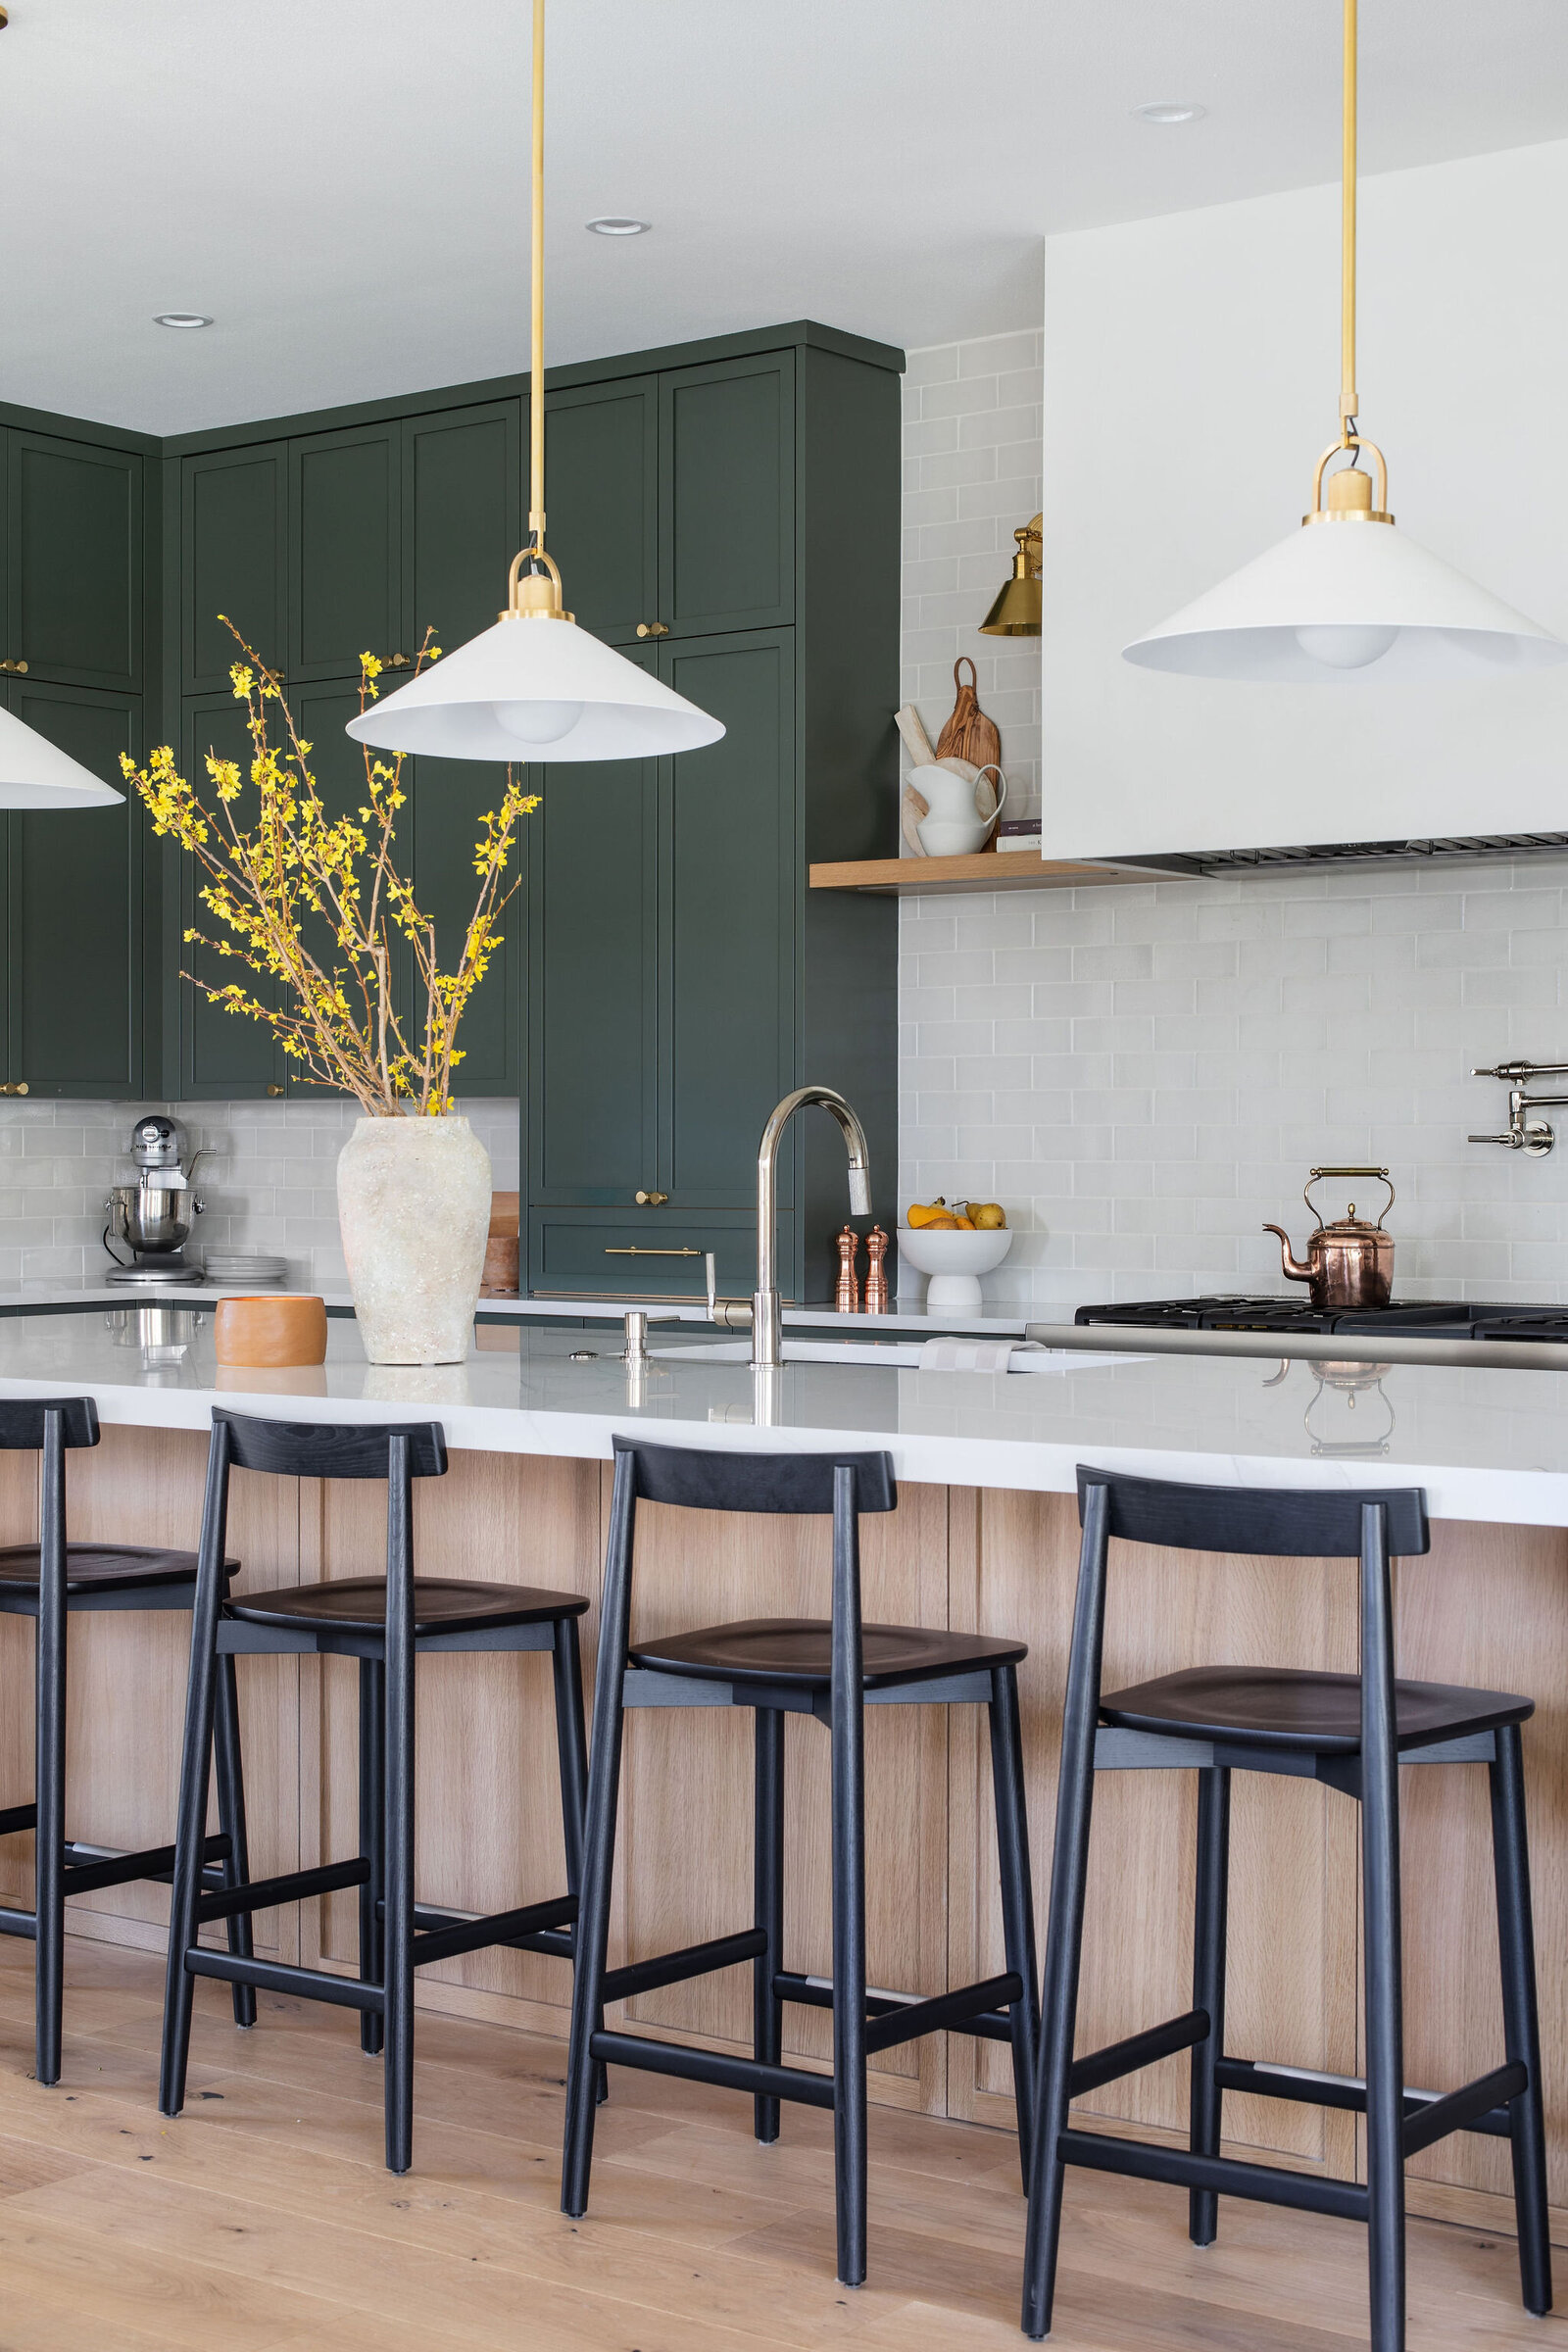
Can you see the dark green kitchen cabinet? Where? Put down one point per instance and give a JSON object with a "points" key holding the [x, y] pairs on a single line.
{"points": [[345, 548], [436, 838], [221, 1054], [74, 587], [462, 508], [234, 560], [602, 511], [74, 908], [726, 555]]}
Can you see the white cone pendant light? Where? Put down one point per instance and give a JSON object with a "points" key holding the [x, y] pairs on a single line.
{"points": [[535, 686], [1348, 593], [33, 774]]}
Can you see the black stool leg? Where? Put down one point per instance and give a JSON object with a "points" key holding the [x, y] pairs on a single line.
{"points": [[373, 1841], [190, 1835], [232, 1821], [768, 1908], [1208, 1986], [399, 1943], [1379, 1878], [1521, 2028], [571, 1750], [847, 1800], [49, 1900], [1018, 1897], [1064, 1931]]}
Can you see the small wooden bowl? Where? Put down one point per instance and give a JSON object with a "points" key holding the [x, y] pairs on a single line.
{"points": [[270, 1333]]}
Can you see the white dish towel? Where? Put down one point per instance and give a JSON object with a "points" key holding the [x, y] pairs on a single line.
{"points": [[1011, 1355]]}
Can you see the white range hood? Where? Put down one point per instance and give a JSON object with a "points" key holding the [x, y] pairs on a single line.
{"points": [[1185, 365]]}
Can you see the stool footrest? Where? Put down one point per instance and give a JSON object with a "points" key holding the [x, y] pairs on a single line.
{"points": [[1120, 2058], [266, 1894], [672, 1968], [558, 1941], [714, 2066], [500, 1927], [945, 2013], [102, 1870], [16, 1818], [816, 1992], [1299, 2084], [1456, 2110], [1224, 2176], [276, 1976]]}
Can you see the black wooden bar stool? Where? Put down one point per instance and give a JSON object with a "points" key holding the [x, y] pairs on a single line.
{"points": [[831, 1669], [384, 1623], [1351, 1733], [48, 1581]]}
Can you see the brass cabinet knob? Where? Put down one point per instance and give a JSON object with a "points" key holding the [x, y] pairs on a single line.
{"points": [[20, 667], [274, 1090], [18, 1088], [400, 661], [652, 1200], [653, 628]]}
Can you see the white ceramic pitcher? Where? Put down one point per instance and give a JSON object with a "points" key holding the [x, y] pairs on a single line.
{"points": [[952, 826]]}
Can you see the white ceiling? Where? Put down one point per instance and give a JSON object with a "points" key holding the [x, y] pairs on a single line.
{"points": [[343, 183]]}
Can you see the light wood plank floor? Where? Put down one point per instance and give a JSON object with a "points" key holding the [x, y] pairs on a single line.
{"points": [[263, 2222]]}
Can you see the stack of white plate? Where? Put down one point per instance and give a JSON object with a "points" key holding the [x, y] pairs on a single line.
{"points": [[243, 1269]]}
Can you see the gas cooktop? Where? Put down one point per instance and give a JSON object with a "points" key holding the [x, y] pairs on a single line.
{"points": [[1418, 1318]]}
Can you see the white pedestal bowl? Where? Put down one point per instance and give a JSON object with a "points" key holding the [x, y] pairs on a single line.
{"points": [[954, 1262]]}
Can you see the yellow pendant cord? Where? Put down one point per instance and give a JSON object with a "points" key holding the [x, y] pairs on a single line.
{"points": [[1348, 398], [536, 377]]}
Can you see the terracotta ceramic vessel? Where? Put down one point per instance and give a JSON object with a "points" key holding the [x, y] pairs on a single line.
{"points": [[271, 1332]]}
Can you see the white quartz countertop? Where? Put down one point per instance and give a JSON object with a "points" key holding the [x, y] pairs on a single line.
{"points": [[1490, 1445]]}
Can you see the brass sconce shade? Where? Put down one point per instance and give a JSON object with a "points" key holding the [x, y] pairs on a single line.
{"points": [[1016, 610]]}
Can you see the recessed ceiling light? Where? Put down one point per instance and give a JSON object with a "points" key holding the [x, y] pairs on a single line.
{"points": [[615, 225], [181, 319], [1170, 109]]}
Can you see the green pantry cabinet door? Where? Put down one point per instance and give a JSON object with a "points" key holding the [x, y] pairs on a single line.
{"points": [[601, 486], [74, 563], [463, 525], [223, 1056], [726, 555], [72, 900], [234, 561], [345, 550]]}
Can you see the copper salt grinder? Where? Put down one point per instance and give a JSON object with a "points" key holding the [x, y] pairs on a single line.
{"points": [[876, 1278], [847, 1296]]}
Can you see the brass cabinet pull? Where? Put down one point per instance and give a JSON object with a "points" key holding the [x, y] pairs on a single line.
{"points": [[20, 1087], [399, 661], [653, 628], [20, 667], [274, 1090], [631, 1249], [652, 1200]]}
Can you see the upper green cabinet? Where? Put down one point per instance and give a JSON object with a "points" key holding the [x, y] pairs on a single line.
{"points": [[234, 561], [75, 590], [219, 1053], [602, 503], [727, 496], [74, 908], [345, 545], [462, 522]]}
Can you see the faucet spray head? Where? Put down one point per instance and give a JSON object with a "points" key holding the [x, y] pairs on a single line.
{"points": [[859, 1190]]}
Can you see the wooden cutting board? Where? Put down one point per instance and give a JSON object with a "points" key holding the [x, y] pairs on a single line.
{"points": [[969, 734]]}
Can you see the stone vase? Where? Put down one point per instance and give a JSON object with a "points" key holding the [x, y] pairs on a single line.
{"points": [[414, 1208]]}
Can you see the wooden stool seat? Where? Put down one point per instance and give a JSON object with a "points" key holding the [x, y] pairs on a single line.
{"points": [[1269, 1706], [441, 1604], [89, 1566], [797, 1652]]}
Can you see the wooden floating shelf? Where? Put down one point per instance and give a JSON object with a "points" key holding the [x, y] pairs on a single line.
{"points": [[988, 870]]}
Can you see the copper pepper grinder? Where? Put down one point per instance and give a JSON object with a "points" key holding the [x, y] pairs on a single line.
{"points": [[876, 1278], [847, 1296]]}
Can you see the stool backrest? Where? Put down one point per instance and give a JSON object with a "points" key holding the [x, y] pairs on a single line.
{"points": [[699, 1478], [22, 1422], [1285, 1522], [330, 1449]]}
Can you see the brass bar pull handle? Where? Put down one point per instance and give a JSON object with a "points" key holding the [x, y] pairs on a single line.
{"points": [[631, 1249], [652, 1200], [653, 628], [20, 1087]]}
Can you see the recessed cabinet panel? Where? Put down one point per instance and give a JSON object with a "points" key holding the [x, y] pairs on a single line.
{"points": [[222, 1054], [602, 503], [727, 496], [729, 844], [234, 557], [75, 596], [74, 908], [442, 822], [344, 545], [592, 997], [462, 519]]}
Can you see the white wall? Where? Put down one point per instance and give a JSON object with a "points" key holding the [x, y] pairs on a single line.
{"points": [[1191, 381]]}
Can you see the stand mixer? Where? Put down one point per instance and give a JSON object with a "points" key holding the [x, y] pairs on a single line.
{"points": [[153, 1216]]}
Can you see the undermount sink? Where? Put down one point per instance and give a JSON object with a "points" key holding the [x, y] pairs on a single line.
{"points": [[898, 1353]]}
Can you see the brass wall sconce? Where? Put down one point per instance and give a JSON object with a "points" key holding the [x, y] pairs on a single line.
{"points": [[1016, 610]]}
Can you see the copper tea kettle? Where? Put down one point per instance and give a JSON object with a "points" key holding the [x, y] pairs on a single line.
{"points": [[1350, 1263]]}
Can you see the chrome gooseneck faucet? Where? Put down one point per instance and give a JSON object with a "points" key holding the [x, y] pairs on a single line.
{"points": [[766, 1322]]}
